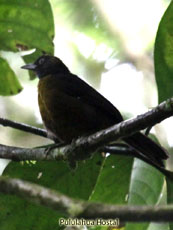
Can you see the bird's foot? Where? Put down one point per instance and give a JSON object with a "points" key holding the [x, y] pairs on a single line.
{"points": [[44, 146], [53, 146], [50, 147]]}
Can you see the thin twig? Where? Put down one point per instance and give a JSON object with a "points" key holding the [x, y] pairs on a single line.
{"points": [[129, 151], [23, 127], [147, 131]]}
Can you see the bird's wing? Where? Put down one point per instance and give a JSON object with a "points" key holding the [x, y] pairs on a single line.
{"points": [[77, 88]]}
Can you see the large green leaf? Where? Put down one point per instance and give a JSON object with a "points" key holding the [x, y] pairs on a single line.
{"points": [[113, 182], [170, 197], [158, 226], [163, 55], [9, 84], [169, 187], [57, 175], [145, 188], [162, 201], [25, 25], [20, 214]]}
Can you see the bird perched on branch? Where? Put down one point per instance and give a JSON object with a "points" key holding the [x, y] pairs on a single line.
{"points": [[70, 108]]}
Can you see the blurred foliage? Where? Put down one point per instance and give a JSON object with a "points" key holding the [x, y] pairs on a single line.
{"points": [[87, 20], [115, 179]]}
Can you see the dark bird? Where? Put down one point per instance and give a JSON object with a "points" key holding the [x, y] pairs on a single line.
{"points": [[70, 108]]}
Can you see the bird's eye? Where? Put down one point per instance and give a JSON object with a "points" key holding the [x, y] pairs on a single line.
{"points": [[41, 61]]}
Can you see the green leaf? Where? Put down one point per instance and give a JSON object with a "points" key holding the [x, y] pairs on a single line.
{"points": [[113, 182], [163, 55], [170, 197], [20, 214], [162, 201], [57, 175], [159, 226], [25, 25], [9, 84], [145, 188]]}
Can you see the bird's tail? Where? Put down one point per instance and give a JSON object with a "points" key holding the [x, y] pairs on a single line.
{"points": [[148, 148]]}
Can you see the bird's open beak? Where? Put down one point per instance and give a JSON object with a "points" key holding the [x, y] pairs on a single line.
{"points": [[29, 66]]}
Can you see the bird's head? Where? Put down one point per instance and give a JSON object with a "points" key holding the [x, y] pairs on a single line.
{"points": [[45, 65]]}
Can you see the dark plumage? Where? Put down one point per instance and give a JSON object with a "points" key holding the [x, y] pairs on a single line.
{"points": [[70, 108]]}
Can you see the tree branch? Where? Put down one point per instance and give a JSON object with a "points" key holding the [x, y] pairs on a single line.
{"points": [[75, 208], [22, 154], [23, 127]]}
